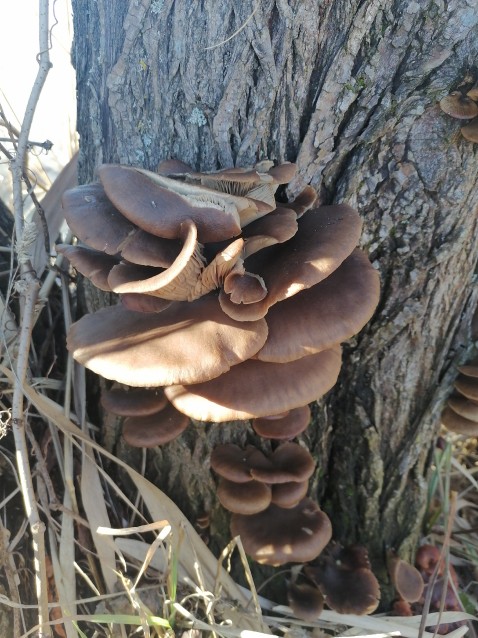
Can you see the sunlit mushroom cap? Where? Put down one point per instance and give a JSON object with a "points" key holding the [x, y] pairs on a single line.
{"points": [[330, 312], [283, 426], [346, 581], [277, 536], [155, 429], [186, 343], [254, 388], [134, 401], [459, 106], [305, 600], [325, 238]]}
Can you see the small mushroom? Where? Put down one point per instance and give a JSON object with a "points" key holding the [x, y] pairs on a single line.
{"points": [[459, 106], [289, 463], [406, 579], [235, 464], [155, 429], [464, 407], [288, 495], [91, 263], [134, 401], [457, 423], [286, 425], [244, 498], [305, 600], [467, 386], [276, 536], [470, 131]]}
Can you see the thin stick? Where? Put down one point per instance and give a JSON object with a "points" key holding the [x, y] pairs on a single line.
{"points": [[28, 287]]}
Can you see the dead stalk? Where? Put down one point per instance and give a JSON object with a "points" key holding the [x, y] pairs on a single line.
{"points": [[28, 287]]}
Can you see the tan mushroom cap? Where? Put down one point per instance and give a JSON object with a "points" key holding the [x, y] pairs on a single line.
{"points": [[459, 424], [330, 312], [325, 238], [244, 287], [470, 131], [144, 303], [276, 536], [464, 407], [244, 498], [134, 401], [304, 201], [94, 219], [148, 250], [406, 579], [234, 464], [275, 228], [144, 199], [255, 389], [305, 600], [288, 495], [290, 463], [468, 387], [283, 426], [459, 106], [91, 263], [155, 429], [186, 343], [469, 371]]}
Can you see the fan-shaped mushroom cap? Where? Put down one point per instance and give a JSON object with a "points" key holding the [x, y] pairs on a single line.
{"points": [[288, 495], [406, 579], [186, 343], [148, 250], [473, 94], [459, 106], [469, 371], [330, 312], [458, 424], [470, 131], [326, 236], [283, 426], [468, 387], [244, 498], [304, 201], [244, 287], [305, 600], [235, 464], [91, 263], [159, 204], [94, 219], [155, 429], [134, 401], [290, 462], [254, 388], [464, 407], [346, 581], [275, 228], [276, 536]]}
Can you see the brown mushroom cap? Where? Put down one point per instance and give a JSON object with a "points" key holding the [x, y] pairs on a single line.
{"points": [[159, 205], [254, 388], [406, 579], [144, 303], [469, 371], [243, 498], [186, 343], [283, 426], [134, 401], [326, 236], [288, 495], [346, 581], [464, 407], [290, 463], [459, 424], [330, 312], [155, 429], [275, 228], [277, 536], [473, 94], [305, 600], [470, 131], [459, 106], [91, 263], [234, 464], [468, 387]]}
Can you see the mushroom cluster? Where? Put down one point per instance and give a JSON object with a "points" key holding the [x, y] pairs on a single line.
{"points": [[232, 307], [463, 107], [461, 413]]}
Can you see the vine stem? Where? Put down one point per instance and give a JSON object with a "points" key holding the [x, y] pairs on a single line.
{"points": [[28, 287]]}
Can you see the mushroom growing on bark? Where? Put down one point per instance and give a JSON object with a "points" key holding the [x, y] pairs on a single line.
{"points": [[461, 413], [235, 305]]}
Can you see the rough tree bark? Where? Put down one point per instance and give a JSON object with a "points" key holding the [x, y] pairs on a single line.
{"points": [[348, 89]]}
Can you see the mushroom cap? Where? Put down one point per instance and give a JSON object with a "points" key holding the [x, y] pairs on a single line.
{"points": [[346, 581], [244, 498], [159, 204], [186, 343], [255, 389], [469, 371], [326, 236], [464, 407], [473, 94], [330, 312], [134, 401], [470, 131], [459, 106], [305, 600], [144, 303], [276, 536], [275, 228], [290, 462], [283, 426], [234, 464], [91, 263], [287, 495], [468, 387], [459, 424], [406, 579], [154, 429]]}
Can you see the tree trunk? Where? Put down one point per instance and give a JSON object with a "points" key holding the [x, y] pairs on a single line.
{"points": [[349, 91]]}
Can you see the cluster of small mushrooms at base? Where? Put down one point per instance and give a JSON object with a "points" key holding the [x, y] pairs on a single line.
{"points": [[232, 307], [463, 107], [461, 413]]}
